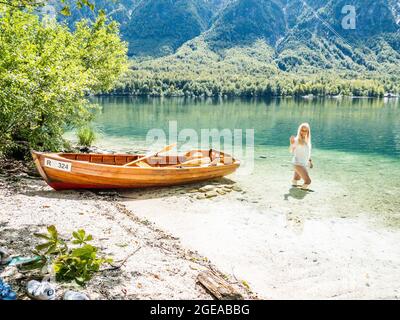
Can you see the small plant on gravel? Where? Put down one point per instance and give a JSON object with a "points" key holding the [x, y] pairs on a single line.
{"points": [[78, 263]]}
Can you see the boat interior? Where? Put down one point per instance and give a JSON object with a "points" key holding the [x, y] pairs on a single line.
{"points": [[195, 158]]}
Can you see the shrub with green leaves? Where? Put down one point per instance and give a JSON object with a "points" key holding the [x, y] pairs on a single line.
{"points": [[78, 263], [86, 136]]}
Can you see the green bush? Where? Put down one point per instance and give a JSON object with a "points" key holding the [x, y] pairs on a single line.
{"points": [[77, 264], [86, 136]]}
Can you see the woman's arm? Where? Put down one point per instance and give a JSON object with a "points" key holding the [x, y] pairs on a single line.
{"points": [[292, 144]]}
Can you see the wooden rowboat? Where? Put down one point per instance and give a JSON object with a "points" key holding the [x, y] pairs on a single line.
{"points": [[64, 171]]}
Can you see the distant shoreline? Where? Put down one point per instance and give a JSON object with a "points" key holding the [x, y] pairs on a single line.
{"points": [[386, 96]]}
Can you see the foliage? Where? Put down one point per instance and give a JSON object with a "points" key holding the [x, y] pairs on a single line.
{"points": [[77, 264], [195, 70], [54, 245], [25, 4], [46, 71], [86, 136]]}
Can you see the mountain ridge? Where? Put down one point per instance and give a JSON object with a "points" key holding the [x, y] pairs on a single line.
{"points": [[256, 39]]}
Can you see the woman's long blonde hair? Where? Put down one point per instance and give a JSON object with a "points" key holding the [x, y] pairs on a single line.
{"points": [[308, 137]]}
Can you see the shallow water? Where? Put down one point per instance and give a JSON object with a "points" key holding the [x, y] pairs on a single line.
{"points": [[356, 147]]}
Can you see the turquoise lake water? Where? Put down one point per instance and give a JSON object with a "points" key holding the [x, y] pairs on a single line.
{"points": [[358, 125], [356, 146]]}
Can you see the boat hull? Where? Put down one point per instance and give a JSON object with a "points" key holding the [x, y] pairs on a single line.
{"points": [[77, 174]]}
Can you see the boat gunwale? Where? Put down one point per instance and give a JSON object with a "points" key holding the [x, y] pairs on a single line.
{"points": [[57, 156]]}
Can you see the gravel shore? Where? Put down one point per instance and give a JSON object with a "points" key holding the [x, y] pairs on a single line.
{"points": [[154, 263]]}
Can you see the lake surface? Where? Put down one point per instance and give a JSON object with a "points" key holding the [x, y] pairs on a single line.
{"points": [[357, 125], [356, 146]]}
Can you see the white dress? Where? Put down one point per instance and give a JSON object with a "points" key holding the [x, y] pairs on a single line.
{"points": [[301, 153]]}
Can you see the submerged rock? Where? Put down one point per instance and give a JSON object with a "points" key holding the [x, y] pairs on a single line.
{"points": [[207, 188], [228, 186], [211, 194]]}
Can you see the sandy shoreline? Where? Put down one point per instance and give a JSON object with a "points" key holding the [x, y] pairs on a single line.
{"points": [[286, 257], [280, 252], [156, 267]]}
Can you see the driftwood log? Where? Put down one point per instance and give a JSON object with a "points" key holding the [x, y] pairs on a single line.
{"points": [[218, 286]]}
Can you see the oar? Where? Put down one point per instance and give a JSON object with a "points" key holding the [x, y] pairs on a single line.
{"points": [[165, 149], [193, 162]]}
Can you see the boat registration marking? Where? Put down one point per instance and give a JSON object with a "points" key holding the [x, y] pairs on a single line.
{"points": [[59, 165]]}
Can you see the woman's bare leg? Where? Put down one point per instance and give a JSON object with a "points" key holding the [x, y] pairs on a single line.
{"points": [[302, 172], [296, 176]]}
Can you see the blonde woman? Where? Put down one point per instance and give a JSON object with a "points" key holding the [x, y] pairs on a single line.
{"points": [[300, 147]]}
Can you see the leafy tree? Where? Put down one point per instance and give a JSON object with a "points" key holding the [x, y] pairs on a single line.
{"points": [[46, 72]]}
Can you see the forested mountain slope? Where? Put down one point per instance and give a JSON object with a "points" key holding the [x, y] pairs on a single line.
{"points": [[254, 41]]}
